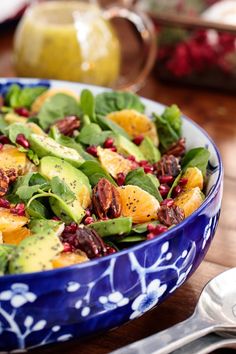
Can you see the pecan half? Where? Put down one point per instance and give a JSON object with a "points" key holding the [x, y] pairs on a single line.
{"points": [[177, 149], [170, 215], [88, 241], [68, 125], [168, 165], [106, 200], [4, 182]]}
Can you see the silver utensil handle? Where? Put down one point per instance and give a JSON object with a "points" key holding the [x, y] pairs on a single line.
{"points": [[207, 344], [170, 339]]}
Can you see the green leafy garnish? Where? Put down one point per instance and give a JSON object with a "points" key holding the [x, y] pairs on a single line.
{"points": [[60, 188], [23, 97], [92, 134], [87, 104], [174, 184], [37, 210], [108, 124], [197, 157], [168, 126], [94, 171], [139, 178], [57, 107], [131, 238], [108, 102]]}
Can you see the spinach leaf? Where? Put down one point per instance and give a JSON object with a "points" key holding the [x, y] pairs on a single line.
{"points": [[108, 102], [132, 238], [56, 107], [87, 104], [174, 184], [37, 210], [26, 186], [141, 228], [60, 188], [17, 97], [17, 128], [108, 124], [197, 157], [168, 126], [26, 192], [92, 134], [139, 178], [95, 172]]}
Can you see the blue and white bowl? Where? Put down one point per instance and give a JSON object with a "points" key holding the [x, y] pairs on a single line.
{"points": [[76, 301]]}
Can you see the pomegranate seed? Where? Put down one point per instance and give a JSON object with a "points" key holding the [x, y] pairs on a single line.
{"points": [[120, 179], [131, 158], [71, 228], [87, 212], [113, 148], [159, 229], [138, 139], [4, 140], [143, 163], [4, 203], [21, 140], [56, 218], [151, 227], [168, 202], [92, 150], [183, 181], [88, 220], [177, 190], [148, 169], [164, 190], [1, 146], [19, 209], [110, 250], [108, 143], [166, 179], [67, 247], [22, 112], [150, 236]]}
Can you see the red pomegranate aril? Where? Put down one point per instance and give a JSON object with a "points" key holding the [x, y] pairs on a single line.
{"points": [[168, 202], [22, 112], [87, 212], [110, 250], [148, 169], [166, 179], [150, 236], [21, 140], [159, 229], [120, 179], [67, 247], [71, 228], [89, 220], [113, 148], [56, 218], [131, 158], [108, 143], [4, 203], [4, 140], [164, 190], [177, 190], [19, 209], [150, 227], [183, 181], [138, 139], [143, 163], [92, 150]]}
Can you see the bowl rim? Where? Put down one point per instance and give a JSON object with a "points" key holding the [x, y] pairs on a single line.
{"points": [[165, 236]]}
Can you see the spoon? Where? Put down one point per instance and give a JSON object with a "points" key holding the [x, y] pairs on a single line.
{"points": [[207, 344], [215, 312]]}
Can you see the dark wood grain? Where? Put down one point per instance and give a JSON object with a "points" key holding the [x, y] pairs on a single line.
{"points": [[215, 112]]}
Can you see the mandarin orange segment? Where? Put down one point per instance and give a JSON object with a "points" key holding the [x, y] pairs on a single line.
{"points": [[16, 236], [113, 162], [10, 222], [68, 258], [194, 177], [190, 200], [11, 157], [138, 204], [36, 106], [84, 196], [135, 123]]}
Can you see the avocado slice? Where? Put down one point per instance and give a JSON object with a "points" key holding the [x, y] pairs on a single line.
{"points": [[118, 226], [149, 150], [5, 255], [36, 252], [126, 147], [46, 146], [67, 211]]}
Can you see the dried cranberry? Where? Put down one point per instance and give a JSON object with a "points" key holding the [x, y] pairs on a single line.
{"points": [[120, 179], [92, 150], [166, 179], [22, 112], [88, 220], [108, 143], [4, 140], [21, 140], [4, 203], [168, 202], [164, 190], [138, 139]]}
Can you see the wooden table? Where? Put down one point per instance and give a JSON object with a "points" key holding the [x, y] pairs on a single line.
{"points": [[216, 113]]}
